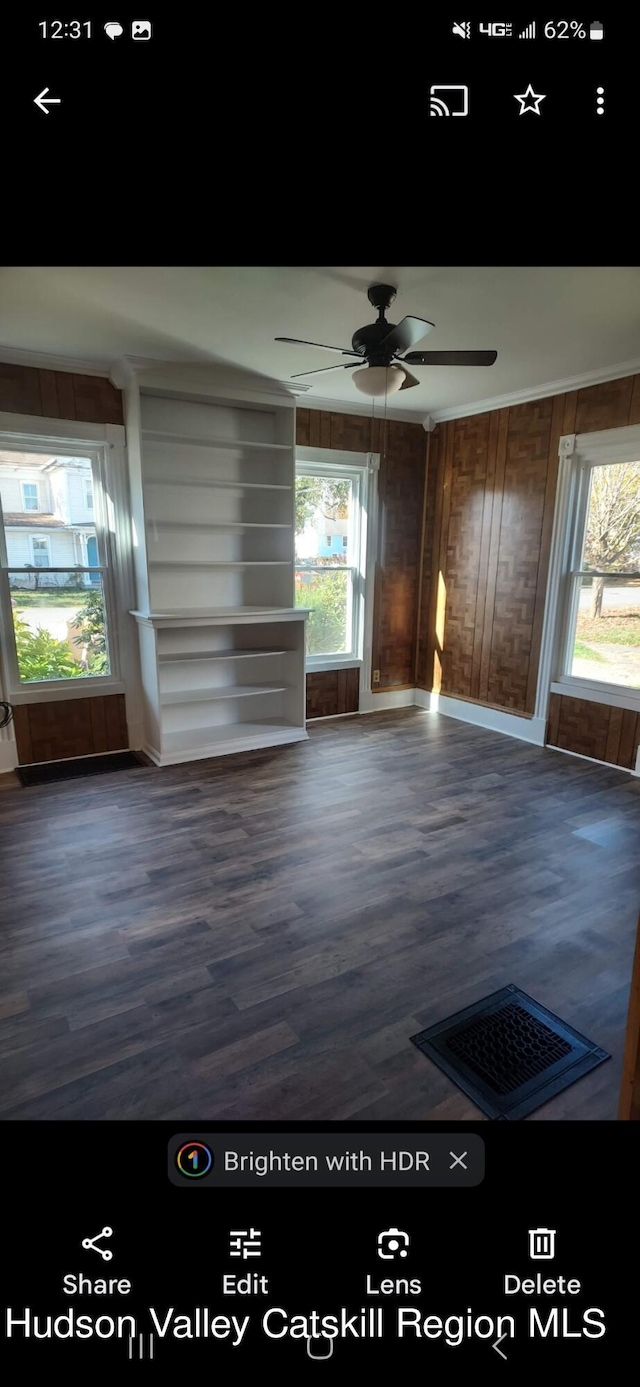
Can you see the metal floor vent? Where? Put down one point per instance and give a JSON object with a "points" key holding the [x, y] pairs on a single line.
{"points": [[509, 1053]]}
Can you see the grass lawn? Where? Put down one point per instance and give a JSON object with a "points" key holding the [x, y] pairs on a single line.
{"points": [[46, 597], [620, 626], [586, 652]]}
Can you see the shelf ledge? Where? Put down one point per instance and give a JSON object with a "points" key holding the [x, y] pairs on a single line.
{"points": [[219, 616], [190, 655], [218, 485], [197, 441], [177, 699], [221, 563]]}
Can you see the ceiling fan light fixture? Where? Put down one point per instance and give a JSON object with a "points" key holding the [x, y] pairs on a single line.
{"points": [[379, 380]]}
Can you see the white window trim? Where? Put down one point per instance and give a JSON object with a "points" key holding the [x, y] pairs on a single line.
{"points": [[104, 445], [89, 503], [366, 467], [41, 539], [28, 509], [578, 453]]}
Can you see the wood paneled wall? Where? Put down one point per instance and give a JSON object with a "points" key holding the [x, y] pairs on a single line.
{"points": [[332, 691], [490, 495], [401, 488], [59, 395], [70, 727], [594, 729]]}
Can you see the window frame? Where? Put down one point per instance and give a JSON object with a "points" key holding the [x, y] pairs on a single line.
{"points": [[39, 539], [361, 469], [30, 510], [103, 446], [578, 456], [89, 503]]}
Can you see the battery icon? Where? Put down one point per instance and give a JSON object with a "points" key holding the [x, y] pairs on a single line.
{"points": [[596, 30]]}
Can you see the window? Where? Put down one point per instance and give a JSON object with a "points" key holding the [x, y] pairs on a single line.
{"points": [[330, 559], [88, 493], [40, 551], [600, 641], [30, 498], [55, 593]]}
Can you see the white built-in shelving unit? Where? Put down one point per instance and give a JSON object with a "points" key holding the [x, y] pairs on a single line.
{"points": [[222, 646]]}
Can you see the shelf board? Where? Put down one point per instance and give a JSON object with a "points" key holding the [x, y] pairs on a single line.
{"points": [[174, 699], [188, 655], [170, 439], [221, 563], [215, 485], [209, 616], [215, 525], [226, 732]]}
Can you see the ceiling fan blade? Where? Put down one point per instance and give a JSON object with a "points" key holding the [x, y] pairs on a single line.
{"points": [[405, 334], [410, 380], [450, 358], [297, 341], [342, 366]]}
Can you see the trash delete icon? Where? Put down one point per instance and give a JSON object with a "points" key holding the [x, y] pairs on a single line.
{"points": [[542, 1244]]}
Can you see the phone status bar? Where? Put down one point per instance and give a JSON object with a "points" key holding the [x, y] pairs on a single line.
{"points": [[549, 29]]}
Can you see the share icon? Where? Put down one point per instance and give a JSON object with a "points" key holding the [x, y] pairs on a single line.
{"points": [[89, 1244]]}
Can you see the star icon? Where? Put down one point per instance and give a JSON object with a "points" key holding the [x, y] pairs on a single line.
{"points": [[530, 101]]}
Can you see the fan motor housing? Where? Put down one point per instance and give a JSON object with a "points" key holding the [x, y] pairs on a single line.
{"points": [[365, 341]]}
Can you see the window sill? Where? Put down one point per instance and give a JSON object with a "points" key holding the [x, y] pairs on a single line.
{"points": [[345, 662], [65, 689], [613, 695]]}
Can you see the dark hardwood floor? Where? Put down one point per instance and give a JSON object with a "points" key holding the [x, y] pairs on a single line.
{"points": [[259, 936]]}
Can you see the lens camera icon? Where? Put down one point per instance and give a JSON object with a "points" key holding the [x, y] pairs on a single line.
{"points": [[392, 1243]]}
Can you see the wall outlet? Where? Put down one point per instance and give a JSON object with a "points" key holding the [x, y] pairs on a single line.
{"points": [[376, 676]]}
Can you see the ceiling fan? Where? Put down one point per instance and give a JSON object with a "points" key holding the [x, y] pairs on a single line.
{"points": [[385, 349]]}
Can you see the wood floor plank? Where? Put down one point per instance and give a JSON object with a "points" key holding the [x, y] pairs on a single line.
{"points": [[259, 936]]}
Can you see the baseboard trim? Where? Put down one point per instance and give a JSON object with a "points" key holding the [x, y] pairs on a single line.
{"points": [[331, 717], [524, 729], [211, 753], [8, 755], [388, 698], [595, 761]]}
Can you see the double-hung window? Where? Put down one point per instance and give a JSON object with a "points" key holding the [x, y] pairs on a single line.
{"points": [[599, 609], [331, 502], [40, 551], [55, 582], [30, 498]]}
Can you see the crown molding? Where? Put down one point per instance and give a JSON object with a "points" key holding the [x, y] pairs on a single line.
{"points": [[47, 361], [199, 379], [538, 392], [121, 374]]}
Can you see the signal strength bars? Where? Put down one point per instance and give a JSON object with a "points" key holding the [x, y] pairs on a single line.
{"points": [[529, 32]]}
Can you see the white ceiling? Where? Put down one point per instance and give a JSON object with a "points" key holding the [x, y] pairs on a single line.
{"points": [[547, 324]]}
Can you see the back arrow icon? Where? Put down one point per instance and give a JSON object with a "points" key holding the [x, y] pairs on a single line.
{"points": [[499, 1350], [44, 101]]}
